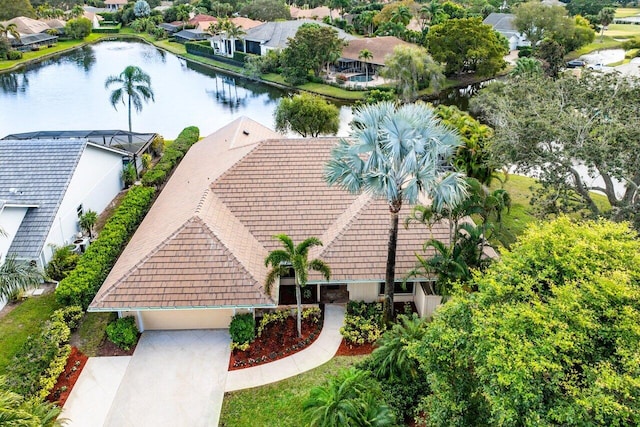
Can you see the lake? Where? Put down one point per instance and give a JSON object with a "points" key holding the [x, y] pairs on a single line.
{"points": [[68, 93]]}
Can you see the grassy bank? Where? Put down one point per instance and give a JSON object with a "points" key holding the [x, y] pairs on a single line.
{"points": [[21, 322], [278, 404]]}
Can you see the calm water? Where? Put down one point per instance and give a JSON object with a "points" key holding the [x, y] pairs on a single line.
{"points": [[68, 93]]}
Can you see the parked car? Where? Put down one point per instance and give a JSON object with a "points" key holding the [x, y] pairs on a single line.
{"points": [[576, 63], [599, 67]]}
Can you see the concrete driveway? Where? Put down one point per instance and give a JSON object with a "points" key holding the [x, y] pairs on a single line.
{"points": [[175, 378]]}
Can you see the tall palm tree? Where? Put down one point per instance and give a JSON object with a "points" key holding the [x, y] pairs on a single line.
{"points": [[401, 15], [605, 16], [297, 258], [233, 32], [135, 84], [17, 276], [365, 55], [183, 13], [9, 29], [397, 153]]}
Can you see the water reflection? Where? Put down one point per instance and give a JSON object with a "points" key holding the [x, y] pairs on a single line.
{"points": [[68, 92]]}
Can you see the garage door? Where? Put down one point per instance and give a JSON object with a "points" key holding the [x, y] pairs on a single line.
{"points": [[186, 319]]}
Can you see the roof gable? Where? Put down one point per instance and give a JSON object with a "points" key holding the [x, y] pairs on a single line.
{"points": [[379, 47]]}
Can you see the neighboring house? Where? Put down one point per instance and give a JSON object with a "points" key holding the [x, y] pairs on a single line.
{"points": [[114, 5], [45, 185], [193, 35], [33, 41], [171, 27], [198, 256], [380, 48], [94, 18], [269, 36], [318, 13], [131, 145], [503, 23], [202, 19], [26, 25]]}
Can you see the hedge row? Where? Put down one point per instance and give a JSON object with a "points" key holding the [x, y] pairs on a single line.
{"points": [[81, 285], [171, 157], [107, 30], [35, 369], [200, 49]]}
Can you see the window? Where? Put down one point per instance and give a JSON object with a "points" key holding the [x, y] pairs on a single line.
{"points": [[80, 210], [398, 288]]}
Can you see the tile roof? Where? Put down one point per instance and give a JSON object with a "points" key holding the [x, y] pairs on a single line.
{"points": [[204, 241], [276, 34], [36, 173], [380, 47], [501, 22]]}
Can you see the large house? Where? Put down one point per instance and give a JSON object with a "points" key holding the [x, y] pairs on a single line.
{"points": [[198, 256], [503, 23], [45, 186], [33, 33], [114, 5], [268, 36], [380, 48]]}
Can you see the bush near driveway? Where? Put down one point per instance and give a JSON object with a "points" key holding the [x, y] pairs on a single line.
{"points": [[174, 152]]}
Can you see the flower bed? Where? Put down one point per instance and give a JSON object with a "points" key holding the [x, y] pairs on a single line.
{"points": [[277, 340], [68, 378]]}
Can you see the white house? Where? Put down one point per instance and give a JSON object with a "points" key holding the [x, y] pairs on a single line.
{"points": [[503, 23], [45, 185], [114, 5]]}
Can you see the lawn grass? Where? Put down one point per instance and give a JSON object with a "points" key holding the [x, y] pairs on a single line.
{"points": [[91, 332], [278, 404], [521, 213], [625, 12], [24, 320], [333, 92]]}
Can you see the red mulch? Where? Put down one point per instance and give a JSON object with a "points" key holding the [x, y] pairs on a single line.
{"points": [[278, 340], [107, 348], [354, 350], [68, 377]]}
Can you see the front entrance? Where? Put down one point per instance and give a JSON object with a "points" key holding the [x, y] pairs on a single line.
{"points": [[288, 294], [334, 294]]}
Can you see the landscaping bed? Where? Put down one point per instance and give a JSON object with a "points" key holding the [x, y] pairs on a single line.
{"points": [[278, 340], [68, 378], [347, 349]]}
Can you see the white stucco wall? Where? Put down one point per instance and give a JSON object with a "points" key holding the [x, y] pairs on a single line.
{"points": [[10, 220], [95, 182], [426, 304], [367, 292]]}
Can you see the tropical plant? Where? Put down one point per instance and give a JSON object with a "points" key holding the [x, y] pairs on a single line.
{"points": [[349, 399], [16, 276], [392, 358], [297, 258], [397, 153], [412, 68], [63, 261], [78, 29], [132, 83], [76, 12], [87, 221], [526, 67], [141, 9], [123, 332], [365, 55], [16, 411], [183, 13], [605, 17], [9, 29], [307, 115]]}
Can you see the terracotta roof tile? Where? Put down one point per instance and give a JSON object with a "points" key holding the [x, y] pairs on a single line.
{"points": [[205, 239]]}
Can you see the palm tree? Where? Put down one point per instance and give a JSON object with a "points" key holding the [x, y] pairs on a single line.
{"points": [[232, 32], [76, 12], [183, 13], [297, 258], [397, 153], [87, 221], [527, 67], [401, 15], [9, 29], [17, 276], [605, 16], [346, 400], [135, 84], [365, 55]]}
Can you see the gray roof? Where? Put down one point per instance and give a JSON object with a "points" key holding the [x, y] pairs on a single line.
{"points": [[131, 142], [36, 173], [276, 34], [28, 39], [193, 34], [501, 22]]}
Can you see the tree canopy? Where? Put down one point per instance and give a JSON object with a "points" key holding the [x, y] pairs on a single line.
{"points": [[467, 45], [311, 49], [10, 9], [568, 132], [266, 10], [550, 338], [307, 115], [412, 68]]}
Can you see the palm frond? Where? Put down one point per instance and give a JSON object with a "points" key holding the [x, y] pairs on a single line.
{"points": [[322, 267], [306, 244]]}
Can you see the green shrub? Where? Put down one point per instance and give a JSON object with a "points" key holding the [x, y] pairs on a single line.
{"points": [[242, 330], [123, 332], [129, 175], [78, 29], [107, 30], [64, 260], [173, 153], [36, 367], [312, 313], [195, 48], [157, 145], [14, 55], [239, 56], [81, 285], [277, 316], [362, 323]]}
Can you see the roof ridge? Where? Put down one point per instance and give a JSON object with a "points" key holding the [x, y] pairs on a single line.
{"points": [[342, 223], [142, 261]]}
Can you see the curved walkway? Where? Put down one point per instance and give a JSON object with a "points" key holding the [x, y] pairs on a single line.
{"points": [[320, 352]]}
